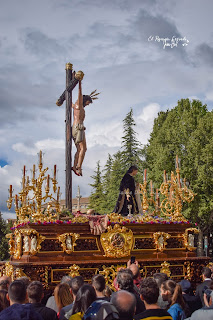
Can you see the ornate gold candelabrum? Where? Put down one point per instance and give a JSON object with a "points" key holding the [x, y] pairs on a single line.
{"points": [[175, 194], [31, 199], [146, 200]]}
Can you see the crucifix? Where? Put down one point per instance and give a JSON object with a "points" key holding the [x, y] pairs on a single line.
{"points": [[75, 130], [72, 79]]}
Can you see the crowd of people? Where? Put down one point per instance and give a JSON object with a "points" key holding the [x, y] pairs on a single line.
{"points": [[156, 297]]}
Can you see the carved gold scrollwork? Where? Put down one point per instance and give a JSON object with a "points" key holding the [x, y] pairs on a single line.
{"points": [[11, 243], [74, 271], [109, 274], [20, 273], [189, 238], [160, 240], [9, 270], [165, 268], [117, 242], [115, 217], [68, 241], [17, 245]]}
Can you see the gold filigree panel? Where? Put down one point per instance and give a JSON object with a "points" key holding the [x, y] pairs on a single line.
{"points": [[117, 241], [68, 241]]}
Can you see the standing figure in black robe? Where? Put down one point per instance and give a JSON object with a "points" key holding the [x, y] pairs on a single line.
{"points": [[127, 194]]}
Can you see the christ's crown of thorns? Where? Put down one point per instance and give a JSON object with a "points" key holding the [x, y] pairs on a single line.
{"points": [[94, 95]]}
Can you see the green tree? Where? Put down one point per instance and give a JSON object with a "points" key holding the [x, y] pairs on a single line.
{"points": [[131, 148], [96, 199], [4, 229], [186, 130]]}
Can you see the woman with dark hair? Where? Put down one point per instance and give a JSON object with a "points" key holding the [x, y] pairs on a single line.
{"points": [[172, 292], [4, 301], [126, 202], [85, 297]]}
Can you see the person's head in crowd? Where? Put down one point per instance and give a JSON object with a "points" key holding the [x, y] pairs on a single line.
{"points": [[135, 270], [125, 304], [63, 296], [17, 292], [172, 292], [4, 301], [160, 278], [107, 292], [76, 283], [66, 279], [84, 298], [5, 281], [99, 283], [25, 280], [2, 278], [206, 273], [149, 291], [185, 286], [125, 280], [35, 292], [4, 284], [208, 294]]}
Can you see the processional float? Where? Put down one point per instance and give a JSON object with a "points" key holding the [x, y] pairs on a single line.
{"points": [[45, 248]]}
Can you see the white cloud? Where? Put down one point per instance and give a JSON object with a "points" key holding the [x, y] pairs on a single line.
{"points": [[47, 144]]}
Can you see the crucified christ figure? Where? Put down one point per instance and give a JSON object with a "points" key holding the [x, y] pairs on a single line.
{"points": [[78, 129]]}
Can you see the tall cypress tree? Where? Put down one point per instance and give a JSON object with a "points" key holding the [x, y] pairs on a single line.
{"points": [[130, 146]]}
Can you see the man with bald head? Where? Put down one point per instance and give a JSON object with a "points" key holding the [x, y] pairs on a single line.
{"points": [[125, 304]]}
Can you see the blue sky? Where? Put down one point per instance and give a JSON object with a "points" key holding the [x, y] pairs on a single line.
{"points": [[108, 41]]}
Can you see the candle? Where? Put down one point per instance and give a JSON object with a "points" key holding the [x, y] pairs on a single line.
{"points": [[16, 201], [145, 175], [24, 171], [178, 177], [151, 186], [34, 172], [48, 181], [40, 157], [58, 194], [11, 191], [177, 162], [165, 176], [55, 171]]}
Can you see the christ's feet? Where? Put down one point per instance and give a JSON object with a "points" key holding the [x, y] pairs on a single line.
{"points": [[76, 171], [79, 170]]}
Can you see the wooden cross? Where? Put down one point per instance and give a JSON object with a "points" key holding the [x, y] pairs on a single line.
{"points": [[72, 79]]}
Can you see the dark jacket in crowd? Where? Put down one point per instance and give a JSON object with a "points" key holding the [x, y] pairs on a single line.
{"points": [[20, 312], [200, 288], [45, 312], [193, 303]]}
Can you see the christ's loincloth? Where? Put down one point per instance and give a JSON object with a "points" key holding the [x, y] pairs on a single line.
{"points": [[78, 133]]}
